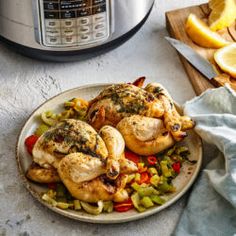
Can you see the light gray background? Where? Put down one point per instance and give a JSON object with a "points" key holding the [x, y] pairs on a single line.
{"points": [[26, 83]]}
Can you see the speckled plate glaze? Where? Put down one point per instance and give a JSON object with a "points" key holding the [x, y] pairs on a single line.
{"points": [[182, 183]]}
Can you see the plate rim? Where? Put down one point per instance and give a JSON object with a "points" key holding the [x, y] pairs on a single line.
{"points": [[92, 218]]}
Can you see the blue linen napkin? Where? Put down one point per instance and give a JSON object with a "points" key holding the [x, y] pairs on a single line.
{"points": [[211, 207]]}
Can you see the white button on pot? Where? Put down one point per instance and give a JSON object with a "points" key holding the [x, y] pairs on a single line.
{"points": [[52, 23]]}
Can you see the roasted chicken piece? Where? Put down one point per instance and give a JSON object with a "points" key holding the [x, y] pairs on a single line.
{"points": [[96, 185], [173, 121], [116, 160], [83, 176], [124, 100], [42, 175], [67, 137], [88, 163], [119, 101], [145, 135]]}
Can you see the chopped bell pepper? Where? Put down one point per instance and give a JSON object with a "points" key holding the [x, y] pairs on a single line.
{"points": [[132, 157], [123, 206], [139, 82], [137, 177], [41, 130], [136, 202], [155, 179], [30, 142], [130, 178], [135, 186], [147, 191], [144, 178], [152, 171], [176, 167], [147, 202], [152, 160], [165, 170], [141, 167], [158, 200]]}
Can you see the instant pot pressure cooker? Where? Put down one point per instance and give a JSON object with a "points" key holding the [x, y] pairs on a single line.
{"points": [[65, 30]]}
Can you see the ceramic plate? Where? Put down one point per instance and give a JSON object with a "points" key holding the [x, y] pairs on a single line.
{"points": [[182, 183]]}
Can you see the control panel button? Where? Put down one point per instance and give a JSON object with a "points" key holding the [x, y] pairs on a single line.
{"points": [[53, 40], [84, 29], [52, 23], [84, 21], [68, 31], [68, 14], [84, 38], [68, 23], [69, 40], [51, 6], [100, 34], [99, 18], [96, 2], [84, 12], [99, 9], [99, 26], [51, 15], [53, 32]]}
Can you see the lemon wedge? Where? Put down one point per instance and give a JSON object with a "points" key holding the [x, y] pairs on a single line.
{"points": [[202, 35], [226, 59], [223, 14]]}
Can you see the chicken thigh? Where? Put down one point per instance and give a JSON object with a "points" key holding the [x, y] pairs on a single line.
{"points": [[145, 135]]}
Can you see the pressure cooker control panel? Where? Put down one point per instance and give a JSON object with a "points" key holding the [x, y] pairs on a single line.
{"points": [[74, 22]]}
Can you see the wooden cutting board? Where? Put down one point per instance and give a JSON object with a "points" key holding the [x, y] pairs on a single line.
{"points": [[175, 23]]}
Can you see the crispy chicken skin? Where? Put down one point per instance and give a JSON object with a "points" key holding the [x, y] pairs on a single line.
{"points": [[89, 157], [174, 122], [41, 175], [119, 101], [100, 188], [87, 163], [124, 100], [145, 135], [81, 173], [86, 180], [80, 167], [66, 137], [116, 160]]}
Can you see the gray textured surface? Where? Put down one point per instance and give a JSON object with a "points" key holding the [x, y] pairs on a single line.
{"points": [[26, 83]]}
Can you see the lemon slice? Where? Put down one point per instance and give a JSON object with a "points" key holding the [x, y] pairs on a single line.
{"points": [[226, 59], [223, 14], [201, 34]]}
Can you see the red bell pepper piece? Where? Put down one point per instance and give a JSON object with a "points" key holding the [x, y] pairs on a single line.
{"points": [[30, 142], [144, 178], [176, 167], [52, 186], [141, 168], [123, 206], [132, 157], [139, 82], [152, 160]]}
